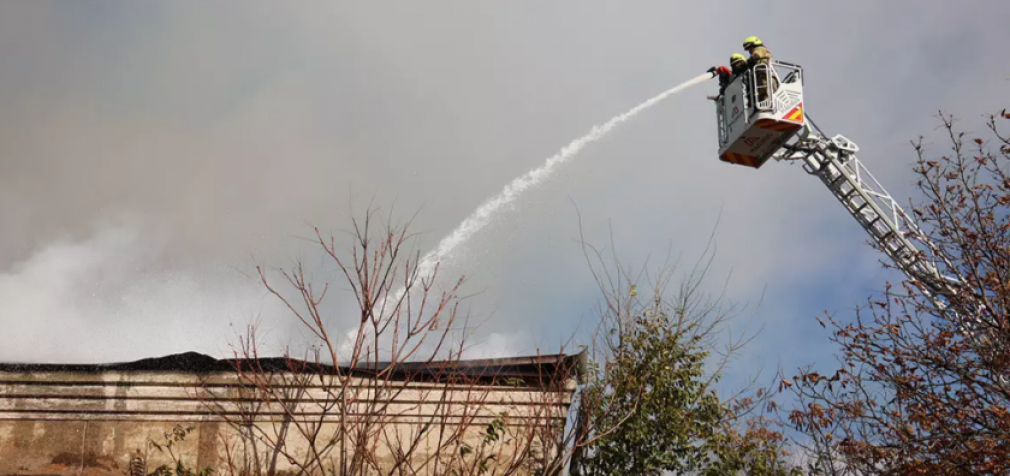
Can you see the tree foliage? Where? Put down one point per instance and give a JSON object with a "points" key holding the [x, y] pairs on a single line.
{"points": [[651, 391], [658, 370], [921, 388]]}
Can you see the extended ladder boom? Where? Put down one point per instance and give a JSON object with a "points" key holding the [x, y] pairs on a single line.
{"points": [[834, 161], [760, 115]]}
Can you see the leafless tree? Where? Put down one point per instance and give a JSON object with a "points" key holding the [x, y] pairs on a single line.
{"points": [[396, 397], [920, 388]]}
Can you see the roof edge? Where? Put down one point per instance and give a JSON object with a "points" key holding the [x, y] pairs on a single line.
{"points": [[536, 367]]}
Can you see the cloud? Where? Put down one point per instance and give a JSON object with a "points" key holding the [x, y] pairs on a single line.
{"points": [[233, 128], [102, 299], [496, 345]]}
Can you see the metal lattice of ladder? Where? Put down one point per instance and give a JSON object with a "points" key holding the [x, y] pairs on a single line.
{"points": [[835, 163]]}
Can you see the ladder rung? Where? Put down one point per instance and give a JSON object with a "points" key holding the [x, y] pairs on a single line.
{"points": [[835, 182], [881, 235]]}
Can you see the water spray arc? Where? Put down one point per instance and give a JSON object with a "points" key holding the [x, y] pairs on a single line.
{"points": [[487, 210]]}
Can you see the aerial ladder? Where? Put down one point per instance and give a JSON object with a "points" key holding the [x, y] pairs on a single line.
{"points": [[760, 116]]}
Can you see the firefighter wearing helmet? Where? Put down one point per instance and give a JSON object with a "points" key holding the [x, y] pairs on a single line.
{"points": [[759, 55], [737, 66]]}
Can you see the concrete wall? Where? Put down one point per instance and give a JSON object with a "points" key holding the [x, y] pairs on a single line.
{"points": [[92, 423]]}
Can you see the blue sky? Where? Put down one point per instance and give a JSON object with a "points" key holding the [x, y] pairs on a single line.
{"points": [[151, 153]]}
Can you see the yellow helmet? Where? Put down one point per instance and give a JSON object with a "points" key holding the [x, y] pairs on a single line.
{"points": [[736, 58], [751, 41]]}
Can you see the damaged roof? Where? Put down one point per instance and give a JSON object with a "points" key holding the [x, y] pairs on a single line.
{"points": [[529, 370]]}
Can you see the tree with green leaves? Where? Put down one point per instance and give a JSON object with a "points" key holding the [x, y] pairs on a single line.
{"points": [[650, 405]]}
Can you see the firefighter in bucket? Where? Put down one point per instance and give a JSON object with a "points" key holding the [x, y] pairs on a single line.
{"points": [[759, 55]]}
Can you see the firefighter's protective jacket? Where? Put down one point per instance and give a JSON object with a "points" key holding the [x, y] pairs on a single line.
{"points": [[759, 55]]}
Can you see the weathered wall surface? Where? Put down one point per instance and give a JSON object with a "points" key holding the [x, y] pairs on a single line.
{"points": [[93, 423], [61, 423]]}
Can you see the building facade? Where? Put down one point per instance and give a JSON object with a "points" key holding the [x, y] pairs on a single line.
{"points": [[279, 416]]}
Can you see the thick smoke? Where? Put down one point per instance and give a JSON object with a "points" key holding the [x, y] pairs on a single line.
{"points": [[110, 297]]}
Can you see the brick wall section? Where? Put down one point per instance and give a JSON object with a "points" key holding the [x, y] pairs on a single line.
{"points": [[90, 420]]}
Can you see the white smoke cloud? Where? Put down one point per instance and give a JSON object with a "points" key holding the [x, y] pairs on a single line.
{"points": [[107, 297], [498, 345], [112, 296]]}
